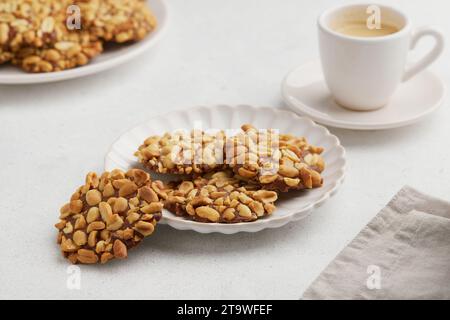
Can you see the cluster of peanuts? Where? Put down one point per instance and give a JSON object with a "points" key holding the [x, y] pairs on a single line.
{"points": [[220, 197], [232, 179], [35, 34], [109, 215], [117, 21], [277, 162], [180, 153]]}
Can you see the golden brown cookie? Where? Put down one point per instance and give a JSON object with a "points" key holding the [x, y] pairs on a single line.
{"points": [[183, 152], [277, 162], [117, 20], [30, 23], [34, 36], [299, 145], [34, 33], [73, 50], [109, 215], [220, 198]]}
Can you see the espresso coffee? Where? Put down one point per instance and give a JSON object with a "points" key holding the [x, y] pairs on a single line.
{"points": [[363, 67], [360, 29]]}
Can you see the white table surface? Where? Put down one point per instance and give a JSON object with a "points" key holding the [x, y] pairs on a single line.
{"points": [[214, 52]]}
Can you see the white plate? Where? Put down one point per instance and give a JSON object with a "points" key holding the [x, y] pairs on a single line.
{"points": [[305, 92], [107, 60], [291, 206]]}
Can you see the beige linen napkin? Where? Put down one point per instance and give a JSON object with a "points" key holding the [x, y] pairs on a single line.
{"points": [[403, 253]]}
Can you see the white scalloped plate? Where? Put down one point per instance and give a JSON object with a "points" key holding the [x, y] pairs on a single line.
{"points": [[290, 207], [110, 58]]}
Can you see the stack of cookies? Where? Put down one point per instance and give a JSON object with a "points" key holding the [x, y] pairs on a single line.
{"points": [[231, 178], [224, 178], [54, 35]]}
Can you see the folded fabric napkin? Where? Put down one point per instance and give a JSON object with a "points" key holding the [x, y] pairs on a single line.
{"points": [[403, 253]]}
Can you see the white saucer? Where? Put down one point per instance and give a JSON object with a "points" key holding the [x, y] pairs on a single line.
{"points": [[110, 58], [305, 92]]}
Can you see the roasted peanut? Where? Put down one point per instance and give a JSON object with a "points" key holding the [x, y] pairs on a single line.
{"points": [[291, 182], [244, 211], [257, 207], [133, 217], [76, 206], [105, 211], [201, 201], [289, 172], [93, 197], [265, 196], [68, 229], [94, 226], [185, 187], [228, 214], [93, 214], [80, 223], [148, 194], [121, 205], [128, 189], [87, 256], [80, 238], [92, 238], [144, 228], [114, 223], [152, 207], [208, 213], [109, 190], [120, 250]]}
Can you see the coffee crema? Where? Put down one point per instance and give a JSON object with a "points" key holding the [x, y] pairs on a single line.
{"points": [[360, 29]]}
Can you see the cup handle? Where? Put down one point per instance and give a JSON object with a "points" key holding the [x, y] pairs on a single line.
{"points": [[431, 56]]}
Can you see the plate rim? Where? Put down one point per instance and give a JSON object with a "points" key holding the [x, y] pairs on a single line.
{"points": [[299, 107], [272, 222], [90, 69]]}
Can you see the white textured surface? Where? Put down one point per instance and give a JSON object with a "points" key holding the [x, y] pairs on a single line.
{"points": [[214, 52], [292, 207]]}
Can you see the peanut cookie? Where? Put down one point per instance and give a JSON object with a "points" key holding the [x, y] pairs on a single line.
{"points": [[109, 215], [311, 154], [74, 49], [34, 36], [117, 20], [183, 153], [219, 197], [277, 162], [30, 23]]}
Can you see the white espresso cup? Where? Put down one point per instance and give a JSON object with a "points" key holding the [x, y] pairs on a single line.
{"points": [[363, 73]]}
